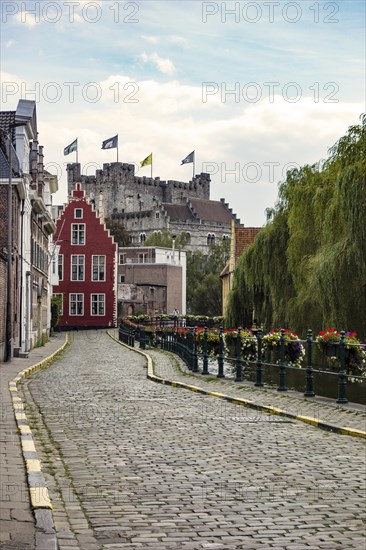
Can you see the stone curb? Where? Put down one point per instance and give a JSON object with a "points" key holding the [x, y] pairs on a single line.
{"points": [[38, 492], [343, 430]]}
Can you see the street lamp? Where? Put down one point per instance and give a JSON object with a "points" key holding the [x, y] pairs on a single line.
{"points": [[9, 299]]}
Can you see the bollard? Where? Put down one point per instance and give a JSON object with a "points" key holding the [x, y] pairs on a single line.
{"points": [[282, 383], [195, 354], [239, 358], [309, 370], [259, 382], [342, 376], [142, 338], [205, 354], [220, 358]]}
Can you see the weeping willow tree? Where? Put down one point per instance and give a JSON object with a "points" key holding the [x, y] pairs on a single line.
{"points": [[307, 267]]}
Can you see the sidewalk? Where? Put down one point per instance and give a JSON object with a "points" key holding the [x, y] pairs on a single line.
{"points": [[17, 522], [317, 411]]}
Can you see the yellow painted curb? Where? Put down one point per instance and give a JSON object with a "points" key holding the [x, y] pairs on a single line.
{"points": [[28, 446], [24, 430], [243, 402], [352, 431], [32, 465], [308, 420], [40, 497]]}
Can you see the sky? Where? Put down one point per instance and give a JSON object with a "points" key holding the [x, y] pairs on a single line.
{"points": [[254, 88]]}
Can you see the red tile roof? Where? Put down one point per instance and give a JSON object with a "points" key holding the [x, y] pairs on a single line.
{"points": [[244, 236]]}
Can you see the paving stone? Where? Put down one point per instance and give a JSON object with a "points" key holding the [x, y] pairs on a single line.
{"points": [[149, 466]]}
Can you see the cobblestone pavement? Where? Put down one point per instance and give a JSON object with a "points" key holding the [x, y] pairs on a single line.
{"points": [[173, 368], [137, 465]]}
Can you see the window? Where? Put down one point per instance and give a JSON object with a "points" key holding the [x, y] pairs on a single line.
{"points": [[78, 233], [60, 267], [76, 304], [152, 291], [122, 278], [143, 258], [122, 259], [61, 302], [98, 268], [211, 239], [157, 215], [98, 304], [142, 237], [78, 213], [77, 267]]}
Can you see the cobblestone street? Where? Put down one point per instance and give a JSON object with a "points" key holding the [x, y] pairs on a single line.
{"points": [[131, 464]]}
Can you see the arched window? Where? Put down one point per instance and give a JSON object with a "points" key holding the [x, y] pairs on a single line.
{"points": [[213, 238], [209, 239], [142, 237]]}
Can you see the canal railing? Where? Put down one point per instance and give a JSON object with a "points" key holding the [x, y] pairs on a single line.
{"points": [[266, 368]]}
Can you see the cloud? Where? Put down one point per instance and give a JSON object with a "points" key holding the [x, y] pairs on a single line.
{"points": [[151, 39], [164, 65], [174, 39], [9, 43]]}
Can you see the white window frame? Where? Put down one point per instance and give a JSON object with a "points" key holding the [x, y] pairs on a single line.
{"points": [[122, 256], [77, 294], [60, 261], [77, 265], [98, 294], [92, 268], [120, 278], [78, 234], [144, 257], [78, 210]]}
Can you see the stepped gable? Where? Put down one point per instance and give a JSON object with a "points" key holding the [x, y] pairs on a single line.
{"points": [[244, 236], [211, 211], [178, 212]]}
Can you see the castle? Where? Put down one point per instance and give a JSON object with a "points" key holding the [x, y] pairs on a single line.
{"points": [[149, 205]]}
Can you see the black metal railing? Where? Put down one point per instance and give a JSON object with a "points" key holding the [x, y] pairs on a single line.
{"points": [[194, 349]]}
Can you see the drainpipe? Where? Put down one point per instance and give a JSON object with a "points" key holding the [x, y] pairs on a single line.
{"points": [[21, 275]]}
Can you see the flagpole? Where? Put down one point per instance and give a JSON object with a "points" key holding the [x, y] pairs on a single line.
{"points": [[194, 163], [77, 152], [151, 165], [117, 147]]}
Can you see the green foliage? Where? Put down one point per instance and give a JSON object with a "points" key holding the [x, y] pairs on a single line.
{"points": [[164, 238], [308, 265], [56, 304], [118, 231], [204, 295]]}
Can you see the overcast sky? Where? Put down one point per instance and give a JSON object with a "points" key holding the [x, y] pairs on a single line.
{"points": [[253, 87]]}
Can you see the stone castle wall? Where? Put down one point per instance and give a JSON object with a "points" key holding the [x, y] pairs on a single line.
{"points": [[125, 192]]}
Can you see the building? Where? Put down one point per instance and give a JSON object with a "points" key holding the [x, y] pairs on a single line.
{"points": [[147, 205], [241, 238], [86, 266], [151, 280], [21, 162]]}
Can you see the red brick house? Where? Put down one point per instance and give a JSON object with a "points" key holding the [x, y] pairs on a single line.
{"points": [[87, 266], [241, 238]]}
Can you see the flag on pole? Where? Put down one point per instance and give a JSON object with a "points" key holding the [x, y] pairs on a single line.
{"points": [[146, 161], [71, 148], [189, 158], [110, 143]]}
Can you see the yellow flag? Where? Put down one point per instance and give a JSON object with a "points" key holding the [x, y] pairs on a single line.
{"points": [[146, 161]]}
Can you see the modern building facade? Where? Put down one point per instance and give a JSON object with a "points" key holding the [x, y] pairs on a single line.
{"points": [[151, 280], [86, 266]]}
